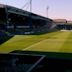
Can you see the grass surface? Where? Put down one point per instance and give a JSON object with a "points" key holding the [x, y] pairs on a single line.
{"points": [[50, 42], [53, 44]]}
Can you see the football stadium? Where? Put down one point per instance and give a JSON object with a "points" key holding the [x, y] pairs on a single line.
{"points": [[33, 43]]}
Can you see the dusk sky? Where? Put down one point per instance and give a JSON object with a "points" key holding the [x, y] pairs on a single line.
{"points": [[57, 8]]}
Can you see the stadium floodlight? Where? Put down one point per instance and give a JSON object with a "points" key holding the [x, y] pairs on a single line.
{"points": [[30, 5], [25, 5], [47, 8]]}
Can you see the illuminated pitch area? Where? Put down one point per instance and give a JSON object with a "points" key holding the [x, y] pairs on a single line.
{"points": [[60, 41], [66, 30]]}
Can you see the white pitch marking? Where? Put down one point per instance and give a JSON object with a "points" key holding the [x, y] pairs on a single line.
{"points": [[35, 44]]}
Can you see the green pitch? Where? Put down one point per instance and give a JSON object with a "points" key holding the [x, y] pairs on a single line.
{"points": [[50, 42]]}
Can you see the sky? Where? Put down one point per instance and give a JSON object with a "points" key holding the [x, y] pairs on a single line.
{"points": [[57, 9]]}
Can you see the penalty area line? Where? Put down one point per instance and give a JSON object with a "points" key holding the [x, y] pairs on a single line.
{"points": [[34, 44]]}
